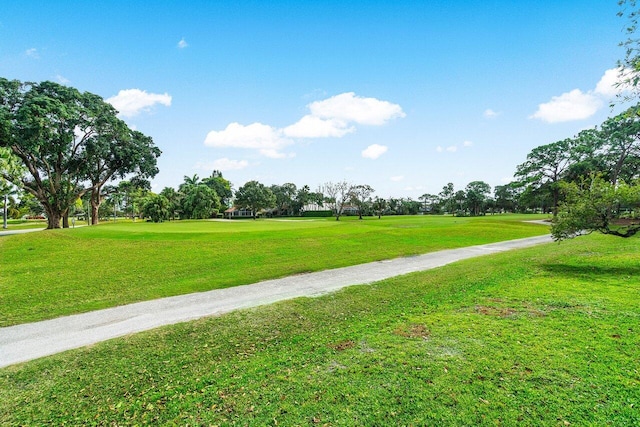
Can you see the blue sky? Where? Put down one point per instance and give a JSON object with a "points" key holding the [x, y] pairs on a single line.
{"points": [[402, 95]]}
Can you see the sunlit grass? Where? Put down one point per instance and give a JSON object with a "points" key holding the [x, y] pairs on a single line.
{"points": [[540, 336], [23, 224], [57, 272]]}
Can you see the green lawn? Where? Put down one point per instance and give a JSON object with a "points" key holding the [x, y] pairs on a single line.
{"points": [[23, 224], [58, 272], [544, 336]]}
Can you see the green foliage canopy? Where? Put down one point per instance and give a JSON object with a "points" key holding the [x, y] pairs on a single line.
{"points": [[596, 204], [255, 196], [69, 142]]}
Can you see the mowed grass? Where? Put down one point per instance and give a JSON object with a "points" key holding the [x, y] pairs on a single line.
{"points": [[544, 336], [23, 224], [59, 272]]}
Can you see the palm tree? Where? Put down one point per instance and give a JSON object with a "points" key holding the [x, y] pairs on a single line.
{"points": [[189, 180]]}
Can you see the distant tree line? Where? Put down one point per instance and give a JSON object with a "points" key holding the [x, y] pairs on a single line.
{"points": [[65, 153]]}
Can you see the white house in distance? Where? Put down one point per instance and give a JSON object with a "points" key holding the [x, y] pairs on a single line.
{"points": [[235, 212]]}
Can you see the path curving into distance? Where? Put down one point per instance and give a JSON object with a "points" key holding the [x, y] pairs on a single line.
{"points": [[29, 341]]}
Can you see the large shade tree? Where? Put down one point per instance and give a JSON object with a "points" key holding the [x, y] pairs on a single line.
{"points": [[254, 196], [629, 66], [285, 197], [619, 145], [545, 167], [115, 154], [70, 143], [477, 193]]}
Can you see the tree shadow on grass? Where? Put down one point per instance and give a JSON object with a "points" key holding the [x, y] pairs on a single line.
{"points": [[591, 271]]}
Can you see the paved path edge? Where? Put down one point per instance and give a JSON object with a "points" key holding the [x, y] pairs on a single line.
{"points": [[30, 341]]}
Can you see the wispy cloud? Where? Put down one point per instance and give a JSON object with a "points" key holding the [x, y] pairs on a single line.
{"points": [[490, 114], [32, 53], [131, 102], [62, 80], [182, 44], [453, 148], [397, 178]]}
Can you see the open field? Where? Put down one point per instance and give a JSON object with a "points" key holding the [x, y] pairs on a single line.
{"points": [[541, 336], [58, 272]]}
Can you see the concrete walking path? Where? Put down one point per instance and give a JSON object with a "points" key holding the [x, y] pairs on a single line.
{"points": [[29, 341], [6, 232]]}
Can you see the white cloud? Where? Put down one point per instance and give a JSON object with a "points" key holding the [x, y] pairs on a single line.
{"points": [[352, 108], [130, 102], [490, 114], [439, 149], [452, 148], [264, 138], [32, 53], [225, 164], [333, 117], [611, 83], [397, 178], [374, 151], [315, 127], [467, 144], [578, 105], [574, 105], [182, 43]]}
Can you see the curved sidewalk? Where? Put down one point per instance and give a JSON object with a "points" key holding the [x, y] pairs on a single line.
{"points": [[29, 341]]}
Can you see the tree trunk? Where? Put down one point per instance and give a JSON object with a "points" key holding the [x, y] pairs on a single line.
{"points": [[95, 206], [53, 219], [65, 220], [556, 200]]}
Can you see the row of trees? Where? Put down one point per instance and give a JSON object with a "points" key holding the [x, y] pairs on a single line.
{"points": [[591, 180], [611, 150], [194, 199]]}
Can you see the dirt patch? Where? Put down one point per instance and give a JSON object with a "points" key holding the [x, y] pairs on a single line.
{"points": [[495, 311], [413, 330], [506, 312], [343, 345]]}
